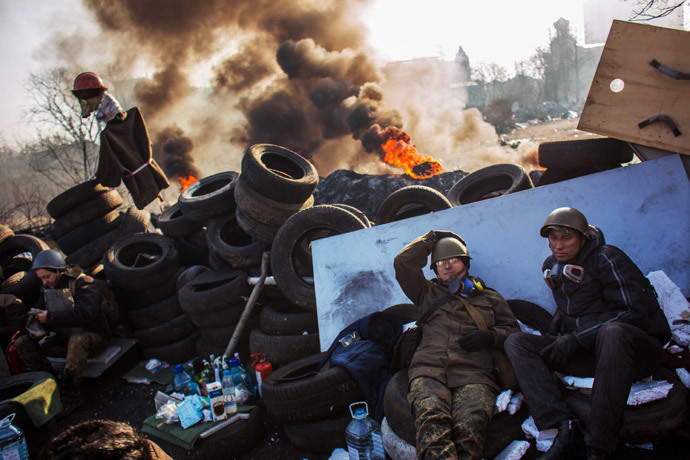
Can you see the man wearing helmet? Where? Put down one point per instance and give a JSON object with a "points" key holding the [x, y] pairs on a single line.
{"points": [[452, 383], [608, 325], [69, 308]]}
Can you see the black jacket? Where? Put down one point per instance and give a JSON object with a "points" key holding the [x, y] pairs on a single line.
{"points": [[613, 289]]}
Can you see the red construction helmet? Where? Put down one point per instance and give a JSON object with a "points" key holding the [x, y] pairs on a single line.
{"points": [[88, 84]]}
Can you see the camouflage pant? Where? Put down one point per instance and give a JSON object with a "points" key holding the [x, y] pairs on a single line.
{"points": [[450, 422], [77, 351]]}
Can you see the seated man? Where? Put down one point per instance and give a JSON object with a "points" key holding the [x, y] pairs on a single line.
{"points": [[608, 324], [69, 306], [452, 383]]}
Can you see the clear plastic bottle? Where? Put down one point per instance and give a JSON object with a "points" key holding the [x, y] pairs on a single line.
{"points": [[363, 435], [229, 393], [241, 380], [181, 380], [12, 441]]}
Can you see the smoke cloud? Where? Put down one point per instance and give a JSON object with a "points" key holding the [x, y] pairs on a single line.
{"points": [[225, 74]]}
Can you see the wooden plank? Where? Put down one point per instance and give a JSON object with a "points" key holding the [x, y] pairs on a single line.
{"points": [[647, 92]]}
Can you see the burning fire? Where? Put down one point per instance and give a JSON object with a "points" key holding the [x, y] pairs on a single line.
{"points": [[187, 181], [395, 149]]}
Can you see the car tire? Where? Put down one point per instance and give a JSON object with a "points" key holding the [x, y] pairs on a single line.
{"points": [[495, 180]]}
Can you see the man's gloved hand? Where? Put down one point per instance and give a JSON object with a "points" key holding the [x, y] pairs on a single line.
{"points": [[476, 340], [557, 353], [555, 324]]}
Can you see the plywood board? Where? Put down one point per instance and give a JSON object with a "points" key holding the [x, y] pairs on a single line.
{"points": [[646, 91], [641, 208]]}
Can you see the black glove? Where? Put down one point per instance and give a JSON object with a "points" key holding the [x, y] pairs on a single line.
{"points": [[555, 324], [476, 340], [558, 352]]}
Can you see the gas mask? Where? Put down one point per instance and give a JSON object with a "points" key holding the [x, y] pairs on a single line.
{"points": [[554, 276], [467, 286]]}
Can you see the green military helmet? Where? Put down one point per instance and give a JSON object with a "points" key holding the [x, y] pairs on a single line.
{"points": [[565, 217], [49, 258], [448, 247]]}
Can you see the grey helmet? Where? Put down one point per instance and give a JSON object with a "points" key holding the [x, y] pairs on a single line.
{"points": [[565, 217], [49, 258]]}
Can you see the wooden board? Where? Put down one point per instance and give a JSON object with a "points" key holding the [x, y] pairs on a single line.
{"points": [[647, 92]]}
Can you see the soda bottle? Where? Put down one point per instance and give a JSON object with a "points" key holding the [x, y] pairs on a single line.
{"points": [[363, 435], [12, 441], [181, 380], [229, 393]]}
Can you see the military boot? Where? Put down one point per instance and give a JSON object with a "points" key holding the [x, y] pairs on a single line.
{"points": [[70, 394], [569, 443]]}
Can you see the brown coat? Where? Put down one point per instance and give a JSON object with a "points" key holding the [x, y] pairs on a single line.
{"points": [[12, 316], [439, 354], [125, 147]]}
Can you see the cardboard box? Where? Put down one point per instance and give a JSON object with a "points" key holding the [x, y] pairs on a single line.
{"points": [[217, 401]]}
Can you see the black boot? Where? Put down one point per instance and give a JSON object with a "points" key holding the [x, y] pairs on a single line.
{"points": [[70, 394], [568, 444], [596, 454]]}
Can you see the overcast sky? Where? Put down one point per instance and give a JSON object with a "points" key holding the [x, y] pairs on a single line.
{"points": [[500, 31]]}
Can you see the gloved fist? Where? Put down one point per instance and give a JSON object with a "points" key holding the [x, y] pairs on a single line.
{"points": [[476, 340], [558, 352], [555, 324]]}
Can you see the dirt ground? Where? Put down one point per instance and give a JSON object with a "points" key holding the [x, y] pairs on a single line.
{"points": [[556, 130]]}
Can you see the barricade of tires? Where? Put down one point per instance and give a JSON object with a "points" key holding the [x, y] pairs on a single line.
{"points": [[410, 201], [17, 253], [87, 222], [143, 270]]}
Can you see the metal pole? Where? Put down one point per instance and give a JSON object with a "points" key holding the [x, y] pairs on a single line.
{"points": [[250, 305]]}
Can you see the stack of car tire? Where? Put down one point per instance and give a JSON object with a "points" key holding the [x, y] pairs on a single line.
{"points": [[16, 255], [143, 270], [87, 222]]}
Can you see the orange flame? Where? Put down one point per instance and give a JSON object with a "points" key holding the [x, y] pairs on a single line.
{"points": [[399, 152], [187, 181], [532, 158]]}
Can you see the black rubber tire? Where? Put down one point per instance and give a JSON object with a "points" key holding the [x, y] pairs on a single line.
{"points": [[134, 300], [423, 199], [140, 261], [502, 430], [259, 230], [72, 197], [156, 314], [209, 197], [168, 332], [407, 312], [226, 316], [531, 314], [234, 440], [92, 252], [263, 209], [291, 249], [226, 239], [134, 221], [601, 153], [321, 436], [553, 175], [646, 422], [89, 231], [99, 205], [26, 287], [190, 253], [5, 232], [283, 349], [285, 318], [356, 211], [297, 392], [12, 386], [279, 173], [220, 336], [177, 352], [174, 224], [188, 274], [214, 290], [489, 182]]}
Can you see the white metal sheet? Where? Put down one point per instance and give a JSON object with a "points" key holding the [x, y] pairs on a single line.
{"points": [[644, 209]]}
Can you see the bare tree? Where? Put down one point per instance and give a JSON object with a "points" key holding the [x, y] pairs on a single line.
{"points": [[65, 149], [652, 9]]}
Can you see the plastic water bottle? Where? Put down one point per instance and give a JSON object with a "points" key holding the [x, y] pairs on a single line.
{"points": [[181, 380], [12, 441], [363, 435], [240, 378], [229, 393]]}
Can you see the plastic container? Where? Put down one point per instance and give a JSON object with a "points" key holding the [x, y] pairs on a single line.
{"points": [[229, 393], [181, 380], [12, 441], [363, 434]]}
